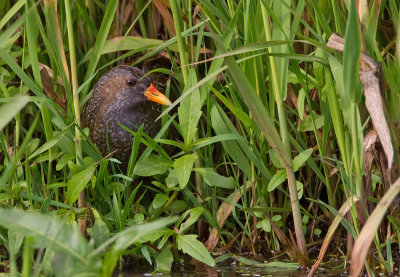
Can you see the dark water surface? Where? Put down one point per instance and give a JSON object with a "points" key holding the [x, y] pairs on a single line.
{"points": [[227, 268]]}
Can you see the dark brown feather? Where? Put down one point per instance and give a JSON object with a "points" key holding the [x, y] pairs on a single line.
{"points": [[114, 102]]}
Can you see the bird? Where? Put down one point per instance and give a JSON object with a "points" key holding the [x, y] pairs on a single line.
{"points": [[122, 96]]}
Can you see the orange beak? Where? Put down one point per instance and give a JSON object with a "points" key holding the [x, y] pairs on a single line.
{"points": [[154, 95]]}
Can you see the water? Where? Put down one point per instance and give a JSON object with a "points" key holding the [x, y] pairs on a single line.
{"points": [[226, 268]]}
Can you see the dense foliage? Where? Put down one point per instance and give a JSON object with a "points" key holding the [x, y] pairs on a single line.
{"points": [[282, 134]]}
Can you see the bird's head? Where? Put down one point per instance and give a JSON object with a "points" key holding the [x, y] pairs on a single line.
{"points": [[126, 84]]}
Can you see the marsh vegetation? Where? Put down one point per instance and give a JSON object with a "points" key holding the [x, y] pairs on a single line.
{"points": [[285, 115]]}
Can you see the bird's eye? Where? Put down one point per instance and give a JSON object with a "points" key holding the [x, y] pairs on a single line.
{"points": [[130, 82]]}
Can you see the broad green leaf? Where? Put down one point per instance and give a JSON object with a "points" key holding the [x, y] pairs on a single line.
{"points": [[15, 239], [171, 180], [183, 168], [276, 218], [286, 266], [138, 218], [125, 239], [189, 111], [195, 213], [153, 235], [279, 177], [265, 225], [351, 56], [191, 246], [317, 232], [78, 183], [178, 206], [301, 158], [146, 254], [99, 232], [300, 189], [300, 104], [136, 233], [159, 200], [257, 212], [212, 178], [307, 123], [55, 235], [11, 108], [274, 159], [152, 165], [164, 260]]}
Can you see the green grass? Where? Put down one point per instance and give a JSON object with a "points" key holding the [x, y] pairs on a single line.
{"points": [[272, 123]]}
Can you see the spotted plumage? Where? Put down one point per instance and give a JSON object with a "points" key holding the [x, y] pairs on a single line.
{"points": [[119, 98]]}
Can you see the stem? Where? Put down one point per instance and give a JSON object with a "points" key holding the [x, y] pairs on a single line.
{"points": [[181, 42], [301, 242], [27, 257], [356, 153], [74, 80]]}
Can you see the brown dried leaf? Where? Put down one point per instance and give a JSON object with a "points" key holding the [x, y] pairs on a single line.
{"points": [[374, 104], [364, 240], [46, 75], [166, 15], [127, 12], [196, 11], [370, 139], [333, 171], [373, 99], [52, 6], [157, 20]]}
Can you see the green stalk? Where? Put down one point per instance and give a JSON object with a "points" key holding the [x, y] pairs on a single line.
{"points": [[181, 43], [18, 115], [184, 70], [142, 24], [191, 40], [27, 257], [301, 243], [356, 148], [32, 34], [74, 80]]}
